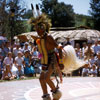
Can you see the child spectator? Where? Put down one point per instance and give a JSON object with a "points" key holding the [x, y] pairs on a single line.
{"points": [[7, 75], [80, 55], [93, 71], [19, 62], [36, 61], [92, 59], [85, 71], [7, 66], [35, 53]]}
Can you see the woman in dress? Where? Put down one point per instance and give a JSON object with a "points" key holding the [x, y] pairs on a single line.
{"points": [[28, 69]]}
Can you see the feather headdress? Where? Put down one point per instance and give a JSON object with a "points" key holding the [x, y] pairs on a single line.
{"points": [[40, 19]]}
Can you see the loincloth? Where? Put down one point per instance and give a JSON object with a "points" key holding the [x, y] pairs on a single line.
{"points": [[52, 61]]}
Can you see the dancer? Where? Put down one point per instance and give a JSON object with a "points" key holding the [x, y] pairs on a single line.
{"points": [[49, 60], [46, 46]]}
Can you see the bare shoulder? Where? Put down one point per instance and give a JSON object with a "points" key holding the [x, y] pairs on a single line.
{"points": [[51, 40]]}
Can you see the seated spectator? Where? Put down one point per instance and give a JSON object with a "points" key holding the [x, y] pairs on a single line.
{"points": [[88, 50], [36, 61], [37, 66], [7, 75], [93, 71], [80, 55], [31, 46], [7, 64], [98, 63], [26, 47], [35, 53], [1, 59], [85, 71], [92, 60], [16, 49], [19, 64], [28, 69]]}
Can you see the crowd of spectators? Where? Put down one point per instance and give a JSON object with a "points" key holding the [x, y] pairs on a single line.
{"points": [[19, 61], [89, 52], [22, 59]]}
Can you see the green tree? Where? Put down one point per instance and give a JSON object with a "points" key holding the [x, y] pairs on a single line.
{"points": [[95, 12], [12, 25], [62, 15], [3, 17], [28, 14], [83, 20]]}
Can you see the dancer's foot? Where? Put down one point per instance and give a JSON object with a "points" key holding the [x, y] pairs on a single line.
{"points": [[46, 97], [56, 95]]}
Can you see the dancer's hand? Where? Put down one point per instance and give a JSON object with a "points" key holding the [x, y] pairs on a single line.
{"points": [[60, 73], [61, 79]]}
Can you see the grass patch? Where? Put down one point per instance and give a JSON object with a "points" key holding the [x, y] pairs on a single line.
{"points": [[26, 78]]}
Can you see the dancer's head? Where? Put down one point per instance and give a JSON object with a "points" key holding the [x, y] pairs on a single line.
{"points": [[41, 23]]}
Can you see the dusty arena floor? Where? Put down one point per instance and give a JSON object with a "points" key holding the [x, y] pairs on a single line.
{"points": [[73, 88]]}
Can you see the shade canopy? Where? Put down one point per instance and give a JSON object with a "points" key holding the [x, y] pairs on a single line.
{"points": [[85, 34]]}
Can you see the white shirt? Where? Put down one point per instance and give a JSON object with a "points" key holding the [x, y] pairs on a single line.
{"points": [[85, 70], [94, 71], [15, 51], [7, 60], [19, 61], [96, 48]]}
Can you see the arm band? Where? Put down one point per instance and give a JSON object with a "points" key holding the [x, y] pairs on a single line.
{"points": [[60, 61]]}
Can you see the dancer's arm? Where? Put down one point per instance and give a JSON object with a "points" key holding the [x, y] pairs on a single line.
{"points": [[35, 37], [60, 66], [60, 74]]}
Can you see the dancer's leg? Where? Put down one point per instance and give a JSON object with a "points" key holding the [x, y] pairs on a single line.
{"points": [[45, 78], [48, 80], [43, 83], [45, 96], [55, 92]]}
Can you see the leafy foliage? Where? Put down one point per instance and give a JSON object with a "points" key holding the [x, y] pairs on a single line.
{"points": [[95, 12], [12, 25], [62, 15], [83, 20], [28, 14]]}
